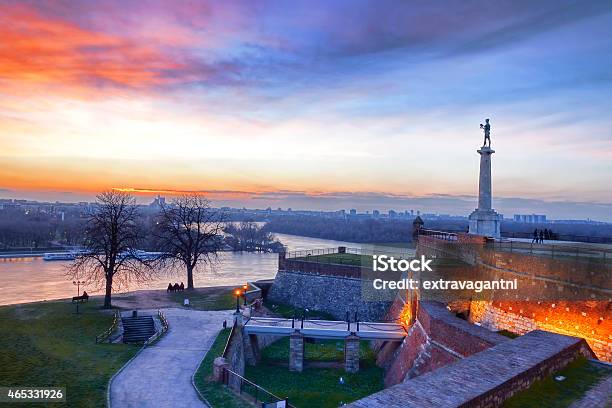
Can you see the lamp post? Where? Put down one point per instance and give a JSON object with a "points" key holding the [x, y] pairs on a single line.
{"points": [[78, 284], [237, 293], [245, 287]]}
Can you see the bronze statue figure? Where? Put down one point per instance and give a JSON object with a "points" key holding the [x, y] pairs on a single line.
{"points": [[487, 132]]}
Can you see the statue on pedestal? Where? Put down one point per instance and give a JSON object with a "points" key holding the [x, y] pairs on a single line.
{"points": [[487, 132]]}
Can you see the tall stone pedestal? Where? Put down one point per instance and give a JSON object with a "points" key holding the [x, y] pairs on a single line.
{"points": [[485, 220]]}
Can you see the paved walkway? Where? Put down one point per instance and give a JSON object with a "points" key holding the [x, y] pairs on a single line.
{"points": [[161, 375]]}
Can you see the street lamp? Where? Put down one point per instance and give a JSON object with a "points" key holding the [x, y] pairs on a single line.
{"points": [[237, 293], [245, 287], [78, 284]]}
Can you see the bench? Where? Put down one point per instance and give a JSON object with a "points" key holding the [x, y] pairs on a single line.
{"points": [[80, 299]]}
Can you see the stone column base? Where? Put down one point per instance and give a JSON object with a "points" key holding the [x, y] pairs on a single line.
{"points": [[351, 354], [296, 352], [219, 365]]}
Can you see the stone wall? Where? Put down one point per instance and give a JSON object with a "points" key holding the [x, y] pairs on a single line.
{"points": [[569, 318], [234, 355], [565, 296], [485, 379], [436, 339], [327, 293]]}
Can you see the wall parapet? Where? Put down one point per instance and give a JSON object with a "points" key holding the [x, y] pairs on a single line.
{"points": [[487, 378]]}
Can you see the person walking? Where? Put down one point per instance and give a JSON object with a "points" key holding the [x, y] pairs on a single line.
{"points": [[541, 236], [535, 236]]}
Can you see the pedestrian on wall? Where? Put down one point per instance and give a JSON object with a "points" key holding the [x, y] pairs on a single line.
{"points": [[535, 236], [541, 236]]}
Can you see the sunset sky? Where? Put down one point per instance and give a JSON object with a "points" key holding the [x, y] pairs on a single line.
{"points": [[330, 104]]}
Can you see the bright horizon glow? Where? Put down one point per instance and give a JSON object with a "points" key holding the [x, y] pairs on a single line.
{"points": [[315, 106]]}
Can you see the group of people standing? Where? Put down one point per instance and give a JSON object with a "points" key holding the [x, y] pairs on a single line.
{"points": [[176, 287], [540, 235]]}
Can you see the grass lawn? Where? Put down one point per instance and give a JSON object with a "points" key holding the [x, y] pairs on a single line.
{"points": [[316, 387], [343, 259], [209, 298], [508, 334], [222, 299], [218, 395], [580, 376], [322, 350], [45, 344]]}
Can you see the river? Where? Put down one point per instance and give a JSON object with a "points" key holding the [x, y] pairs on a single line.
{"points": [[33, 279]]}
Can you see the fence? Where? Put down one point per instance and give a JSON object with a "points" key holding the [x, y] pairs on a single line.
{"points": [[105, 336], [581, 253], [443, 235], [229, 341], [555, 251], [345, 255], [249, 390], [158, 333], [562, 237]]}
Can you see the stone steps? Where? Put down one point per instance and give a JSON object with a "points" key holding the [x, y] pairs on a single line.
{"points": [[137, 329]]}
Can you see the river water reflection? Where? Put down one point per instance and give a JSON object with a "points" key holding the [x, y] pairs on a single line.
{"points": [[32, 279]]}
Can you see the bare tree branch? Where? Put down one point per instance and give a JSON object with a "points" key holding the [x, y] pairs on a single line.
{"points": [[189, 232], [111, 238]]}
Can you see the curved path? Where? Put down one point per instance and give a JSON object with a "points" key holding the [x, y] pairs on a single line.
{"points": [[160, 376]]}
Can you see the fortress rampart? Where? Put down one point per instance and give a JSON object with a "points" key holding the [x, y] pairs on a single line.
{"points": [[569, 295]]}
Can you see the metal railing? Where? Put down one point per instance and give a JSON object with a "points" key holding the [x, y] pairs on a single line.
{"points": [[568, 251], [351, 320], [158, 333], [249, 390], [107, 333], [443, 235], [343, 255], [555, 251], [229, 341], [591, 239]]}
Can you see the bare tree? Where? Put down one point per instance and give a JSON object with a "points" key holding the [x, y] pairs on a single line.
{"points": [[188, 232], [112, 236]]}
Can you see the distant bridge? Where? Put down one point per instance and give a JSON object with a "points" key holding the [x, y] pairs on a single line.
{"points": [[325, 329]]}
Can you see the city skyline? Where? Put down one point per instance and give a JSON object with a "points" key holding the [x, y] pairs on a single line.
{"points": [[290, 105]]}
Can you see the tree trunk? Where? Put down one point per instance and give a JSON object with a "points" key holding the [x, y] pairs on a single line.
{"points": [[109, 289], [189, 277]]}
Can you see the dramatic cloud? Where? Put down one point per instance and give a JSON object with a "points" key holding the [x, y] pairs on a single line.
{"points": [[318, 103]]}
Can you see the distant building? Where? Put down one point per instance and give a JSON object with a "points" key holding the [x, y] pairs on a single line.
{"points": [[353, 211], [530, 218], [158, 202], [392, 214], [375, 213]]}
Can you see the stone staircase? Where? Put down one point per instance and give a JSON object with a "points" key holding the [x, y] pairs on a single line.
{"points": [[137, 329]]}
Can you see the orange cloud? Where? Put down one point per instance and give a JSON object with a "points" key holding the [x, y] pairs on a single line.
{"points": [[37, 50]]}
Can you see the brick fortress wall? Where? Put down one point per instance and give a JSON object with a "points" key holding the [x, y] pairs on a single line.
{"points": [[565, 296]]}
